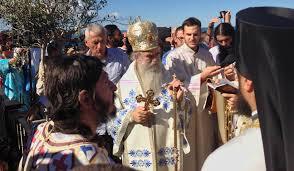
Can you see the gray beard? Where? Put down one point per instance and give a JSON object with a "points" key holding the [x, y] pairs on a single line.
{"points": [[151, 76]]}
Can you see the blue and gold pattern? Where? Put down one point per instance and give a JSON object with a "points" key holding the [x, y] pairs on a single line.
{"points": [[130, 102], [114, 127], [139, 153], [167, 161], [140, 156], [141, 163], [167, 151], [165, 99], [166, 156]]}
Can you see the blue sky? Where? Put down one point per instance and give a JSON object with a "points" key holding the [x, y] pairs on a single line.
{"points": [[170, 13]]}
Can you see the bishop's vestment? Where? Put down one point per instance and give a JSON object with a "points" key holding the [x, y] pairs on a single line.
{"points": [[150, 147]]}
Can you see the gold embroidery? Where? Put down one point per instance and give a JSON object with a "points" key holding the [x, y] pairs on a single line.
{"points": [[249, 123]]}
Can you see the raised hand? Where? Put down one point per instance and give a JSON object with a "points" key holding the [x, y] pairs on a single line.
{"points": [[209, 72], [213, 20], [227, 17]]}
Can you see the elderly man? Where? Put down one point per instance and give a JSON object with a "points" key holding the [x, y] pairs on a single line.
{"points": [[81, 99], [115, 60], [153, 111]]}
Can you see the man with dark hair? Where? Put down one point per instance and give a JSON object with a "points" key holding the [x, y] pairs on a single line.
{"points": [[260, 31], [81, 99], [193, 65], [268, 64], [224, 36], [114, 36]]}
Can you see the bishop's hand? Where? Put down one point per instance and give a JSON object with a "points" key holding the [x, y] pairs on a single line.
{"points": [[176, 87], [141, 115]]}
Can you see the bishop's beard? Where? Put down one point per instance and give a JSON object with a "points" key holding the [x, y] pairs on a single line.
{"points": [[151, 76]]}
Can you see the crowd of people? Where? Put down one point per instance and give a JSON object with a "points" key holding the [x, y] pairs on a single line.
{"points": [[125, 104]]}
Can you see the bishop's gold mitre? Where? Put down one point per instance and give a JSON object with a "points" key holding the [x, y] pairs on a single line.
{"points": [[143, 36]]}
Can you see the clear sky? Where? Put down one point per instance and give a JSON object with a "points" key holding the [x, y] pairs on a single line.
{"points": [[170, 13]]}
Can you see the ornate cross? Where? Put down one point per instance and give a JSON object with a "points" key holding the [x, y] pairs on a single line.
{"points": [[148, 100]]}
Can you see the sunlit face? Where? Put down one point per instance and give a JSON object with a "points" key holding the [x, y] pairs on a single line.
{"points": [[179, 38], [225, 41], [97, 45], [150, 57], [192, 35]]}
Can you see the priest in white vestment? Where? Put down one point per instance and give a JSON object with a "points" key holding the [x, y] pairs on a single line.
{"points": [[244, 152], [193, 64], [144, 135]]}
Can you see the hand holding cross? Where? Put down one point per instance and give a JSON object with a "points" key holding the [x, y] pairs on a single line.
{"points": [[148, 100], [141, 114]]}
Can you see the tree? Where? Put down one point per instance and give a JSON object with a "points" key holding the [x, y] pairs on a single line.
{"points": [[37, 22]]}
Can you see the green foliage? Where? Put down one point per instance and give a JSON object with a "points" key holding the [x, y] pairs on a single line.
{"points": [[43, 20]]}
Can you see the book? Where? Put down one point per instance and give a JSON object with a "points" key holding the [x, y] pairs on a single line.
{"points": [[224, 86]]}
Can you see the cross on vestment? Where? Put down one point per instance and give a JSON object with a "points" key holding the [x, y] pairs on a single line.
{"points": [[149, 101]]}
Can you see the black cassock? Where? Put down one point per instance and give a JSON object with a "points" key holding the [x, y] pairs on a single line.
{"points": [[264, 51]]}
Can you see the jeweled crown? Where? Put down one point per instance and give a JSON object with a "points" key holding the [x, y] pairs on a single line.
{"points": [[143, 36]]}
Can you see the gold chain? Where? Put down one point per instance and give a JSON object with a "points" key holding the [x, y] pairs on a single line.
{"points": [[228, 116]]}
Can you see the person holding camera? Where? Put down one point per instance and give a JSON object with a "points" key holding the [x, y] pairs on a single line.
{"points": [[223, 55], [223, 36], [226, 16]]}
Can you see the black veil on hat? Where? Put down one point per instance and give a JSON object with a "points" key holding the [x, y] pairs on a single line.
{"points": [[265, 54]]}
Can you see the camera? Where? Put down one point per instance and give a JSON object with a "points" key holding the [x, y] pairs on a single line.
{"points": [[222, 13]]}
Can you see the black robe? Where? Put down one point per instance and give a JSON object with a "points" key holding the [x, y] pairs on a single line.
{"points": [[264, 52]]}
